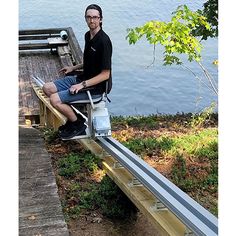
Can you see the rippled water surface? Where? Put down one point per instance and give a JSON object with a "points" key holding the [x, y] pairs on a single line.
{"points": [[137, 87]]}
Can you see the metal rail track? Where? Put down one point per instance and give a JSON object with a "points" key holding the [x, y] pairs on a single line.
{"points": [[193, 215]]}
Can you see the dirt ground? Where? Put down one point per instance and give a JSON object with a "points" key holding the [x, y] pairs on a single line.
{"points": [[96, 225]]}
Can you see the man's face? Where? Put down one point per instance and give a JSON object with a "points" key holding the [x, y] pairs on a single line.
{"points": [[93, 18]]}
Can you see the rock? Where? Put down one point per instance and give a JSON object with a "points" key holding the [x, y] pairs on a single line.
{"points": [[97, 220]]}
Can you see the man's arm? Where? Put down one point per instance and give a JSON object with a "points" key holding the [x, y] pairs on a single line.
{"points": [[68, 69], [77, 67], [104, 75]]}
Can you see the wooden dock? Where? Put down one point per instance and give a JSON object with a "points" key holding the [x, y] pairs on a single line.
{"points": [[38, 56], [40, 211]]}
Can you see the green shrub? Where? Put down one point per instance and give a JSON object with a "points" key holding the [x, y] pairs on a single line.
{"points": [[74, 212], [179, 169], [198, 120], [107, 196], [49, 134], [209, 150], [146, 145], [90, 161], [150, 121], [72, 163], [113, 202], [88, 199], [69, 165]]}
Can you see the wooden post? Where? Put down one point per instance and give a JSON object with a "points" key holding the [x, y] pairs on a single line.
{"points": [[42, 113]]}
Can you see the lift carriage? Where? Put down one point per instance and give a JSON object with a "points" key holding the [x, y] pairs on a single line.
{"points": [[93, 110]]}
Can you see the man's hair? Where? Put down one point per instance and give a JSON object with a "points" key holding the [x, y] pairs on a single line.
{"points": [[95, 7]]}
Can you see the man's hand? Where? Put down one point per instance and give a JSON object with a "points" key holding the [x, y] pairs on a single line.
{"points": [[76, 88], [66, 69]]}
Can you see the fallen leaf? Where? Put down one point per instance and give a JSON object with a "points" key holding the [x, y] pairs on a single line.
{"points": [[31, 217]]}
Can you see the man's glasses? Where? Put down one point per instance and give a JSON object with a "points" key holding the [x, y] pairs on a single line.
{"points": [[89, 18]]}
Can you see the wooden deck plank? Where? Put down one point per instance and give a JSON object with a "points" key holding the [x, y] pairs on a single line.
{"points": [[42, 31], [33, 46], [42, 64], [40, 211]]}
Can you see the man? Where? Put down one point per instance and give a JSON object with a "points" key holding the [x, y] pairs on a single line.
{"points": [[96, 73]]}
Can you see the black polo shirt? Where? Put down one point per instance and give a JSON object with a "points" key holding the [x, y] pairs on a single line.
{"points": [[97, 57]]}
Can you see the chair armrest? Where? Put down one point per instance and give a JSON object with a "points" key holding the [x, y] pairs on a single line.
{"points": [[76, 72], [79, 72]]}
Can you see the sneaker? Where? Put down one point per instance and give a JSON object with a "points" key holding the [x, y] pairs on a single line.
{"points": [[64, 127], [73, 130]]}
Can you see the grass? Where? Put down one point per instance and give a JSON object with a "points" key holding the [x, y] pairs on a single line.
{"points": [[187, 144], [195, 147], [199, 144], [156, 121]]}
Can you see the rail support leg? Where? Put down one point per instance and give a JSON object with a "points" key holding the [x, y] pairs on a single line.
{"points": [[134, 183], [158, 206], [188, 232], [117, 165]]}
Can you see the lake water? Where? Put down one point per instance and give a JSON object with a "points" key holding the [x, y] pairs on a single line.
{"points": [[138, 89]]}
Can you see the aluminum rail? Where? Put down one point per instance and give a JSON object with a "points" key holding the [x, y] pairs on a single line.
{"points": [[193, 215], [38, 81]]}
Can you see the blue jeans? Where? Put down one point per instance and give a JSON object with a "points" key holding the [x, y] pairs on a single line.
{"points": [[63, 85]]}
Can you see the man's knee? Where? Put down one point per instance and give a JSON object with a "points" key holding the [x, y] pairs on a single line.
{"points": [[46, 89], [49, 89]]}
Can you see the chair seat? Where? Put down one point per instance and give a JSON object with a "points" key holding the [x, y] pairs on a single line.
{"points": [[95, 99]]}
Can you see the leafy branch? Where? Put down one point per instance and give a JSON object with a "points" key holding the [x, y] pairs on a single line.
{"points": [[176, 37]]}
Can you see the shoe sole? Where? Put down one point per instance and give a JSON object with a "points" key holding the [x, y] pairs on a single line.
{"points": [[61, 131], [79, 133], [82, 136]]}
